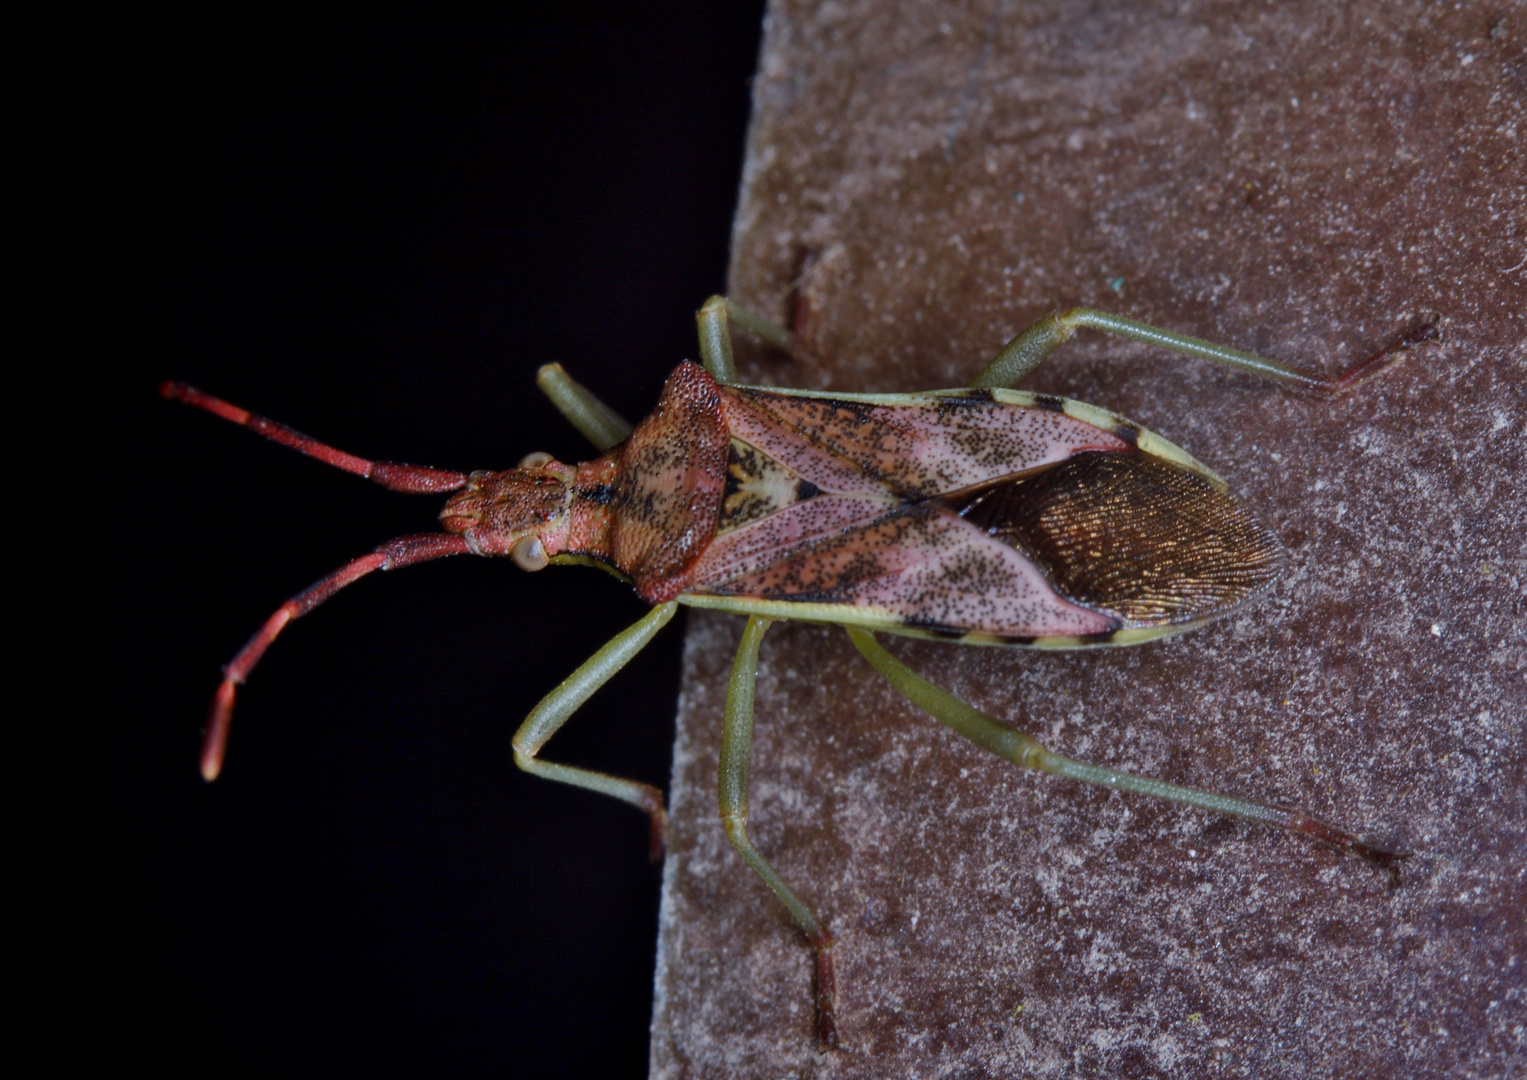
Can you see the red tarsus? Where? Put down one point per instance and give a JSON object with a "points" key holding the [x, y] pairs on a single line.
{"points": [[827, 992], [1361, 372]]}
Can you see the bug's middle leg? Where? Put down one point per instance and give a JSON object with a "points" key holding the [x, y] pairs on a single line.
{"points": [[558, 706], [736, 758], [989, 733], [715, 319]]}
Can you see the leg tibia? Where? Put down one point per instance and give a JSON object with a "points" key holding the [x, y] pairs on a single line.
{"points": [[736, 826], [558, 706], [1029, 349], [736, 755], [644, 797], [991, 734], [736, 771]]}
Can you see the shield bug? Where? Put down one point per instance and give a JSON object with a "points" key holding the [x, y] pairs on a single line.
{"points": [[978, 515]]}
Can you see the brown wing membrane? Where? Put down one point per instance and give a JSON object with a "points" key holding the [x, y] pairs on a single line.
{"points": [[1130, 534]]}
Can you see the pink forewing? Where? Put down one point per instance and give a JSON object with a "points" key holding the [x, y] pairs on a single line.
{"points": [[922, 562], [910, 451]]}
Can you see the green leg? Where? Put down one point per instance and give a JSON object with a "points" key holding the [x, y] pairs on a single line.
{"points": [[714, 320], [990, 734], [604, 427], [1026, 351], [736, 754], [555, 708], [600, 424]]}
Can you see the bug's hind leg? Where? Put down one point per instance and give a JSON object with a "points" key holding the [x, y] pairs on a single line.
{"points": [[991, 734], [715, 319], [736, 755], [556, 707], [1029, 349], [596, 421]]}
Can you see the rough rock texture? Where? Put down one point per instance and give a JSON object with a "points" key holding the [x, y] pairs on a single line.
{"points": [[1298, 179]]}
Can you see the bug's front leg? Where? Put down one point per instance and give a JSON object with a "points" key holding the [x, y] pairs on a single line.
{"points": [[596, 421], [1029, 349], [556, 707], [989, 733], [736, 758]]}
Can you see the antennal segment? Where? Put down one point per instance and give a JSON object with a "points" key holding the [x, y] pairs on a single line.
{"points": [[404, 551], [411, 479]]}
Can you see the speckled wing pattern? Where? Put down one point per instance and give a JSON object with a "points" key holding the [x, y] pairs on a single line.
{"points": [[962, 514]]}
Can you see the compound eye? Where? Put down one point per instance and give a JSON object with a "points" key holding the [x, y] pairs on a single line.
{"points": [[528, 554], [535, 460]]}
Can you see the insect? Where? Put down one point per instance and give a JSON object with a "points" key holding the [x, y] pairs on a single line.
{"points": [[979, 515]]}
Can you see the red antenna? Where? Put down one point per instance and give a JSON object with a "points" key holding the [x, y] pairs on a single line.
{"points": [[396, 553]]}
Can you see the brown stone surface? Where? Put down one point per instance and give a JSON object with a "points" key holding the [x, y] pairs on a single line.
{"points": [[1298, 179]]}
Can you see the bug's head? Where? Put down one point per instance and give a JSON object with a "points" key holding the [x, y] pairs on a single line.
{"points": [[522, 512]]}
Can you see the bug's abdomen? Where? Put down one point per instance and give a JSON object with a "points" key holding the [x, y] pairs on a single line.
{"points": [[1131, 535]]}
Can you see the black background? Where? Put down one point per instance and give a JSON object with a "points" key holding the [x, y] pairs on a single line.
{"points": [[374, 230]]}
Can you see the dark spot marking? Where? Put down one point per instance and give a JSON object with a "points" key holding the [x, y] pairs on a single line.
{"points": [[924, 624], [969, 398], [1020, 639], [598, 494], [1129, 433], [804, 490], [862, 411], [1102, 637], [802, 596], [1050, 403]]}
